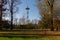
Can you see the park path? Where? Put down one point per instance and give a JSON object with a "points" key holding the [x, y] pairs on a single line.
{"points": [[32, 32]]}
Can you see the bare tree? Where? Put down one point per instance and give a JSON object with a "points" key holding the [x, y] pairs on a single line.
{"points": [[2, 9], [47, 8], [50, 3], [12, 5]]}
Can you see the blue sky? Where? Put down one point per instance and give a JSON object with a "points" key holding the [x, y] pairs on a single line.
{"points": [[33, 12]]}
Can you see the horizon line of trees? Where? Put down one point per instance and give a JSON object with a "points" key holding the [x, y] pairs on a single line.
{"points": [[49, 12]]}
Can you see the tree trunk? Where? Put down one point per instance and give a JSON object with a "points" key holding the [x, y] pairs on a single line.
{"points": [[11, 10], [1, 16], [51, 9]]}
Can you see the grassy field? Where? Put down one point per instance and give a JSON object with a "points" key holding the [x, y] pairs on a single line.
{"points": [[31, 38]]}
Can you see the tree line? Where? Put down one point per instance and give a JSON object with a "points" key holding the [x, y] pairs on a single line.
{"points": [[49, 12]]}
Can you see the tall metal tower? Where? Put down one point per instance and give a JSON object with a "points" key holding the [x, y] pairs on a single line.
{"points": [[27, 9]]}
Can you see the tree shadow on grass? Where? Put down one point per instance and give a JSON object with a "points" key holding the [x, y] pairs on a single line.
{"points": [[24, 36]]}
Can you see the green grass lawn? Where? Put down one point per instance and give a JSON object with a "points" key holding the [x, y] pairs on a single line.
{"points": [[31, 38]]}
